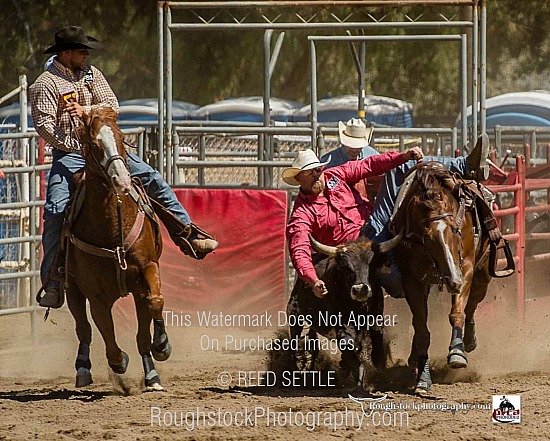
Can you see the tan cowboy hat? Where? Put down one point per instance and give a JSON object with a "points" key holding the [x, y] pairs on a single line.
{"points": [[70, 38], [354, 133], [305, 160]]}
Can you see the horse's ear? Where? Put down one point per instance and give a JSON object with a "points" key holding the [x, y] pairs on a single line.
{"points": [[109, 113]]}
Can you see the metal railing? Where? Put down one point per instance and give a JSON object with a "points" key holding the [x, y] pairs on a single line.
{"points": [[229, 156], [268, 16]]}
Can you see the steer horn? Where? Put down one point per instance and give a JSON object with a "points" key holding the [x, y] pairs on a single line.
{"points": [[321, 248], [389, 244]]}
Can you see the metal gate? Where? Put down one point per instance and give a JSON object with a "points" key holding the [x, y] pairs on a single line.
{"points": [[270, 16]]}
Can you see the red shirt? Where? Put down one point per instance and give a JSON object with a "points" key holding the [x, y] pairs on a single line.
{"points": [[337, 215]]}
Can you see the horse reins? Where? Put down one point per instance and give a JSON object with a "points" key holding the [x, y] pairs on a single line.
{"points": [[119, 252]]}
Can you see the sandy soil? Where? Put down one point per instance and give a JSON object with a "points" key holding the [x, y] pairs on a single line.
{"points": [[38, 399]]}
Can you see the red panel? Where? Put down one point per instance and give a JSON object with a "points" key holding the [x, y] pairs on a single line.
{"points": [[246, 274]]}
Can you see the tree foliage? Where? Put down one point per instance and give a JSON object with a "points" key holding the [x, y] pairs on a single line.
{"points": [[212, 65]]}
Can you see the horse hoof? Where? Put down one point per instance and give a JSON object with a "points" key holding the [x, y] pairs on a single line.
{"points": [[457, 361], [153, 385], [121, 368], [422, 389], [163, 351], [83, 377]]}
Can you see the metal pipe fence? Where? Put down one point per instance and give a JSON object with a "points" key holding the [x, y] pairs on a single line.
{"points": [[291, 15], [222, 156], [531, 142], [230, 149]]}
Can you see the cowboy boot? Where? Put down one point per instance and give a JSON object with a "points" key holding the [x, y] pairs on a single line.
{"points": [[201, 243], [204, 246], [476, 161], [51, 296], [191, 239], [54, 295]]}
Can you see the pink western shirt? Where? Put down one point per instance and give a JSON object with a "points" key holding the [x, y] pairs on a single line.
{"points": [[337, 215]]}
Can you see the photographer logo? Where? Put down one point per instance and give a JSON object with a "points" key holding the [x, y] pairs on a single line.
{"points": [[506, 409]]}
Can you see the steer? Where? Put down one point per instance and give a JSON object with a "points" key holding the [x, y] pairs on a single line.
{"points": [[348, 273]]}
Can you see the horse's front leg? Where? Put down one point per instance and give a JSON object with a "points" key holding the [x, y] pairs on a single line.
{"points": [[77, 305], [103, 318], [161, 348], [143, 339], [457, 355], [480, 283], [417, 298]]}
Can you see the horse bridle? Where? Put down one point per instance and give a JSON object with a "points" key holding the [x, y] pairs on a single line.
{"points": [[411, 236], [457, 224], [104, 169], [113, 159], [436, 217]]}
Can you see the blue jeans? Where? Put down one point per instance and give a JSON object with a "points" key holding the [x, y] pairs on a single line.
{"points": [[61, 186], [376, 227]]}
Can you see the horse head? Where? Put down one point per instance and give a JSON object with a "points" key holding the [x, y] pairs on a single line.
{"points": [[103, 149], [433, 215]]}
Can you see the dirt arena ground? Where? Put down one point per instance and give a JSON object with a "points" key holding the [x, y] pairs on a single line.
{"points": [[38, 399]]}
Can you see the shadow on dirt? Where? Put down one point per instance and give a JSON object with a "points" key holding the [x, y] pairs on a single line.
{"points": [[336, 392], [30, 395]]}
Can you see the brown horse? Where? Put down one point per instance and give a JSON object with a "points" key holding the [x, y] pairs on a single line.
{"points": [[443, 244], [113, 248]]}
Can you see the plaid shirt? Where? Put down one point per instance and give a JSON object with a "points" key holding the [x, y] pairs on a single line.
{"points": [[51, 120]]}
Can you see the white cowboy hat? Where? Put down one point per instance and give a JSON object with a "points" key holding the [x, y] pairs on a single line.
{"points": [[354, 133], [305, 160]]}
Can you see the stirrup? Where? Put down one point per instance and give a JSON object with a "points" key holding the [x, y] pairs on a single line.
{"points": [[60, 300], [185, 242], [510, 264]]}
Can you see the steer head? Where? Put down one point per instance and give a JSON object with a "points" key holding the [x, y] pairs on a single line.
{"points": [[353, 262]]}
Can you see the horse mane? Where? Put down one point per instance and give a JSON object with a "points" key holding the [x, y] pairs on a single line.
{"points": [[433, 178]]}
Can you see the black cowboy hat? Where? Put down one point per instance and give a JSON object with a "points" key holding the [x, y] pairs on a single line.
{"points": [[72, 37]]}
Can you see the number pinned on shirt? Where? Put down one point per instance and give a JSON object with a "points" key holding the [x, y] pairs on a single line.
{"points": [[89, 77], [333, 182], [69, 95]]}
